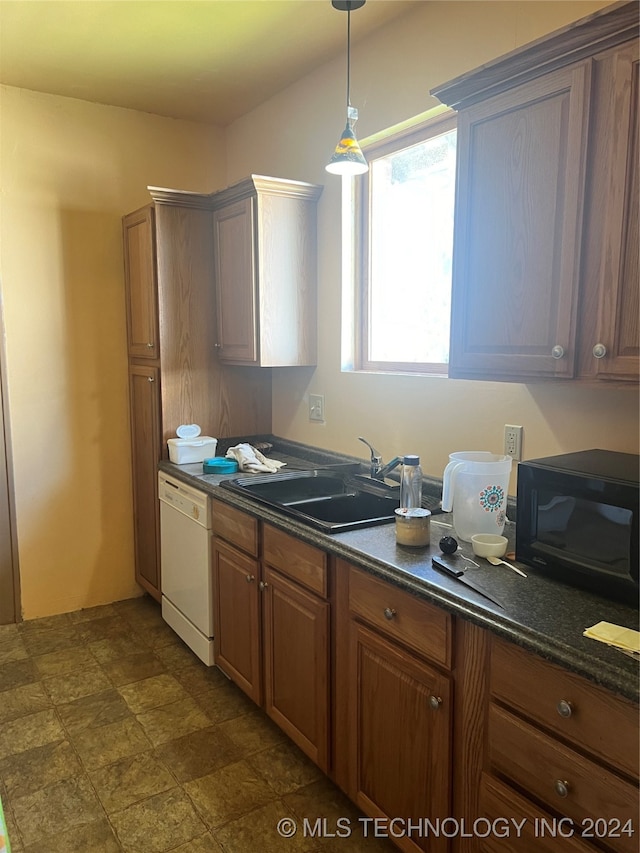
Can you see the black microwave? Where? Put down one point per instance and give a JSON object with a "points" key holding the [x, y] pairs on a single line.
{"points": [[577, 518]]}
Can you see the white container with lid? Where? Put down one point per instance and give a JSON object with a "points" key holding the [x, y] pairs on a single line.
{"points": [[190, 446]]}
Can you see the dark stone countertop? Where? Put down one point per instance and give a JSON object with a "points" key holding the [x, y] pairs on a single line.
{"points": [[540, 614]]}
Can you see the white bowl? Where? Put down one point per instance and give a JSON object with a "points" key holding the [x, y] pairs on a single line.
{"points": [[489, 545]]}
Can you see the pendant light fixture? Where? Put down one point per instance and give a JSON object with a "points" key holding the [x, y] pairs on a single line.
{"points": [[348, 158]]}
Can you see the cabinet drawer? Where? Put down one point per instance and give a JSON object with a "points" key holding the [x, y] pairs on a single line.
{"points": [[542, 766], [517, 824], [295, 559], [412, 622], [236, 527], [592, 718]]}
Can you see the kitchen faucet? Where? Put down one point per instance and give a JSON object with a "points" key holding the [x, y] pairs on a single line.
{"points": [[379, 471]]}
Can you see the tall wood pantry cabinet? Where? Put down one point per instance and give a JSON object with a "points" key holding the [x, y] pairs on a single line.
{"points": [[174, 373], [264, 232], [545, 266]]}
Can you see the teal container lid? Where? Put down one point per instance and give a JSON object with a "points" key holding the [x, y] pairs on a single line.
{"points": [[220, 465]]}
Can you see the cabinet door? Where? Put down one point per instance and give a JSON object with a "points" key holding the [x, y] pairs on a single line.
{"points": [[141, 284], [609, 323], [233, 240], [237, 618], [145, 451], [400, 747], [521, 163], [296, 664]]}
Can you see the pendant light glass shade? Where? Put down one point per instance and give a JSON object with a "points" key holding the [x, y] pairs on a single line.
{"points": [[348, 158]]}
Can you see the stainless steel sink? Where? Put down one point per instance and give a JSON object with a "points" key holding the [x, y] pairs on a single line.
{"points": [[326, 499]]}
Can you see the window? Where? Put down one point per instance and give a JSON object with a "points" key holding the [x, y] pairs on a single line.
{"points": [[404, 239]]}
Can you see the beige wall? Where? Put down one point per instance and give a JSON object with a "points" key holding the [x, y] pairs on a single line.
{"points": [[392, 73], [69, 170]]}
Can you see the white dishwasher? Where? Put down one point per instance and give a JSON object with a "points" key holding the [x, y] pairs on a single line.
{"points": [[185, 560]]}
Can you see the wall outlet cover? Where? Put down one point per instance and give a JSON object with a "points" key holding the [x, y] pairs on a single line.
{"points": [[316, 407], [513, 441]]}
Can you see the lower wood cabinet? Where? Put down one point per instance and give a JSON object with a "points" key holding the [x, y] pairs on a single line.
{"points": [[399, 720], [565, 750], [512, 823], [237, 645], [399, 734], [272, 625], [419, 716], [296, 664], [144, 396]]}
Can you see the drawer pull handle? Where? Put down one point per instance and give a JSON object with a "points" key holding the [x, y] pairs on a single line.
{"points": [[562, 788], [389, 613], [250, 578], [435, 702], [564, 708], [557, 351], [599, 351], [263, 585]]}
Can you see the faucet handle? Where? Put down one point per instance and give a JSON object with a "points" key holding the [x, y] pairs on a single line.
{"points": [[376, 458]]}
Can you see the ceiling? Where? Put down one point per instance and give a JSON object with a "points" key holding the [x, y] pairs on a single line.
{"points": [[204, 60]]}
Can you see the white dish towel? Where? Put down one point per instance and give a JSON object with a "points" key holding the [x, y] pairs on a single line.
{"points": [[250, 459]]}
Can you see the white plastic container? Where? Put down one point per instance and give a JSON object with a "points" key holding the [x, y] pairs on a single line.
{"points": [[474, 486], [190, 446]]}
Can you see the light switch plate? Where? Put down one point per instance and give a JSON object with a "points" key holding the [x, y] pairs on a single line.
{"points": [[316, 407]]}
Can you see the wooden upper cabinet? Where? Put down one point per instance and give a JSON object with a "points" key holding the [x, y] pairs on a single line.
{"points": [[141, 283], [609, 333], [545, 265], [519, 199], [264, 237], [236, 286]]}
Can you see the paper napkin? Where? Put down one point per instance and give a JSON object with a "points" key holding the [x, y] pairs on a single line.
{"points": [[615, 635]]}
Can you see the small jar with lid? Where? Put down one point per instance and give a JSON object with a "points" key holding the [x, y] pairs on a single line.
{"points": [[413, 526]]}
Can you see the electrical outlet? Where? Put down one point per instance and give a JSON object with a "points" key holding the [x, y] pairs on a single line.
{"points": [[316, 407], [513, 441]]}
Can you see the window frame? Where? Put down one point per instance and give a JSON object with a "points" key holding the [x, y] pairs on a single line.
{"points": [[436, 126]]}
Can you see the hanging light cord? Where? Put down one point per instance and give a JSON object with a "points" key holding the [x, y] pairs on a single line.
{"points": [[348, 54]]}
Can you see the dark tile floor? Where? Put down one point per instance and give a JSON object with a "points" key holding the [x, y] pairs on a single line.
{"points": [[115, 737]]}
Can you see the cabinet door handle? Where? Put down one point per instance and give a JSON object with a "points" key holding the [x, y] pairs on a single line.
{"points": [[149, 346], [564, 708], [561, 787], [435, 702], [599, 351], [389, 613], [263, 585], [217, 346], [150, 379], [250, 578], [557, 351]]}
